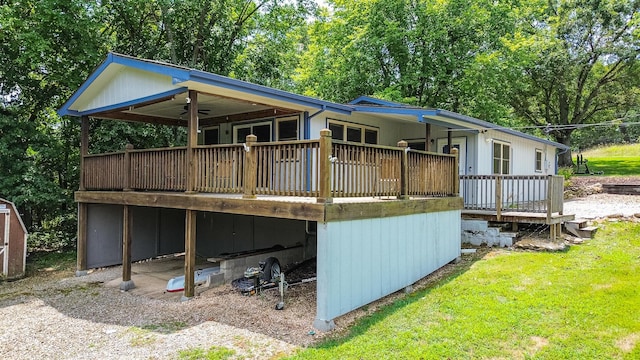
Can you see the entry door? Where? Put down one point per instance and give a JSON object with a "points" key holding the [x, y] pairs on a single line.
{"points": [[459, 143], [4, 240]]}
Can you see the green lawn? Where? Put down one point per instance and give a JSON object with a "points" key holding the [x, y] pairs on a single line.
{"points": [[580, 304], [615, 160]]}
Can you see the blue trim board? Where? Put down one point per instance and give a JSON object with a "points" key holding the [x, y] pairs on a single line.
{"points": [[395, 110], [130, 102], [249, 88]]}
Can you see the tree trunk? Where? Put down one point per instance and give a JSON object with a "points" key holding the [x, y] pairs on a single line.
{"points": [[564, 137]]}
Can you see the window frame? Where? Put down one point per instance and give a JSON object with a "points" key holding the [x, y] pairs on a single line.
{"points": [[204, 134], [538, 163], [285, 119], [501, 159], [251, 125], [362, 128]]}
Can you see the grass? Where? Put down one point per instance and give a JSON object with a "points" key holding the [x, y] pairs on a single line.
{"points": [[213, 353], [614, 160], [50, 261], [580, 304]]}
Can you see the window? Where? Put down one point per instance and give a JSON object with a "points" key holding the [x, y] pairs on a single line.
{"points": [[287, 129], [353, 132], [211, 136], [501, 157], [262, 130], [538, 160], [417, 145]]}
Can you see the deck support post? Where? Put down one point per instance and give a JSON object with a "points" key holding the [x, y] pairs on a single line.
{"points": [[251, 168], [404, 170], [454, 176], [81, 265], [427, 137], [192, 141], [127, 283], [324, 196], [84, 148], [449, 140], [127, 167], [189, 254]]}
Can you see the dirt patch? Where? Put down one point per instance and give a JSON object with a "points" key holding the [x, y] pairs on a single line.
{"points": [[627, 344], [581, 186]]}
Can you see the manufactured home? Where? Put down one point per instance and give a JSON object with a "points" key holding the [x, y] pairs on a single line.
{"points": [[369, 182]]}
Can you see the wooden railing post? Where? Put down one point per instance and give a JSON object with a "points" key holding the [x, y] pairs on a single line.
{"points": [[127, 167], [498, 196], [455, 175], [404, 170], [250, 168], [84, 149], [325, 167], [192, 141], [549, 200]]}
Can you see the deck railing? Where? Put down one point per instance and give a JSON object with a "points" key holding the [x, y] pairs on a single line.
{"points": [[522, 193], [104, 171], [158, 169], [322, 168], [219, 168]]}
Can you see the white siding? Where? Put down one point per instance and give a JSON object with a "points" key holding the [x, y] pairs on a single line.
{"points": [[361, 261], [125, 85], [523, 152]]}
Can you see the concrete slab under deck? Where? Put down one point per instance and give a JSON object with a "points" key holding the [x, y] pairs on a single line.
{"points": [[151, 277]]}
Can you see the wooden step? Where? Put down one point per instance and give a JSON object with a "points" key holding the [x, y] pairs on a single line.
{"points": [[587, 232], [577, 223]]}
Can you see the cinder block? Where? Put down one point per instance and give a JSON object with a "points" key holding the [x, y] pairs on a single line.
{"points": [[474, 225]]}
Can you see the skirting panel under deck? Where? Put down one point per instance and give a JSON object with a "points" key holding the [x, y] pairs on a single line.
{"points": [[360, 261]]}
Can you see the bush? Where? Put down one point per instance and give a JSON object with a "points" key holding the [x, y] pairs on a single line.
{"points": [[54, 235], [567, 172]]}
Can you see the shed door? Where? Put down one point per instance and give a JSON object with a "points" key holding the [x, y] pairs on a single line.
{"points": [[4, 240]]}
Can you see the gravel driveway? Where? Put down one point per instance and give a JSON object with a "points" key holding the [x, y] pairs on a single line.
{"points": [[604, 205]]}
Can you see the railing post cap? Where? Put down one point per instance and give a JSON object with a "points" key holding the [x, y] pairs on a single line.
{"points": [[251, 138], [403, 144], [325, 132], [129, 147], [454, 151]]}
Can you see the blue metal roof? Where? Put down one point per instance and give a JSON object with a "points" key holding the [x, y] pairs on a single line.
{"points": [[363, 104], [181, 74], [387, 107]]}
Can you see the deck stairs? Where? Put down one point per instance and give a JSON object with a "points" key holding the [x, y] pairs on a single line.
{"points": [[580, 228]]}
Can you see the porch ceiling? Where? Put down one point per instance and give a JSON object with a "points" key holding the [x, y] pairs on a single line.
{"points": [[212, 109]]}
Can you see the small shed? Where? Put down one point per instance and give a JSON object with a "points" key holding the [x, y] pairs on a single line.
{"points": [[13, 241]]}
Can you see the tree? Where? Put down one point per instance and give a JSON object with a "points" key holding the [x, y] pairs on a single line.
{"points": [[415, 51], [574, 62], [46, 48]]}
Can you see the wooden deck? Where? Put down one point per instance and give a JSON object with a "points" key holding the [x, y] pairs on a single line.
{"points": [[517, 217], [286, 207]]}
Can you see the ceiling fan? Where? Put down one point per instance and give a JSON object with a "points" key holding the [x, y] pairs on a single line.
{"points": [[200, 111]]}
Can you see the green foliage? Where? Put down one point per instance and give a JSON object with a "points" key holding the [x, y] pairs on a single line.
{"points": [[582, 303], [580, 64], [567, 172], [213, 353], [418, 52]]}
